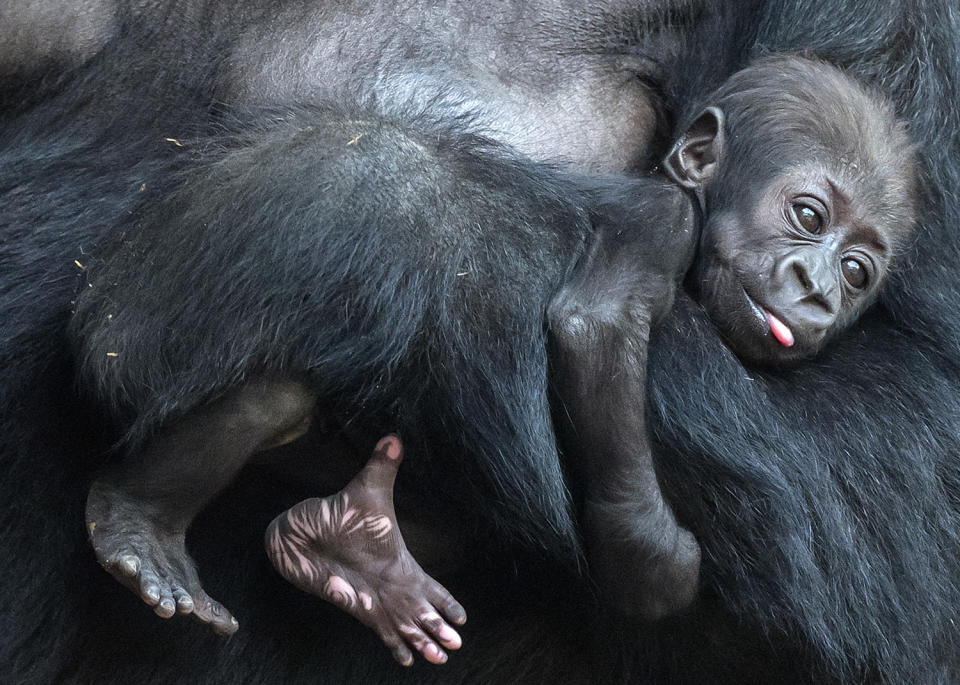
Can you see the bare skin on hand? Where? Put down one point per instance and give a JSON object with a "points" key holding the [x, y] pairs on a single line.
{"points": [[139, 510], [347, 549], [150, 559]]}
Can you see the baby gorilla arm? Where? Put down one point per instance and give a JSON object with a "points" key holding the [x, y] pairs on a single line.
{"points": [[645, 563], [347, 549]]}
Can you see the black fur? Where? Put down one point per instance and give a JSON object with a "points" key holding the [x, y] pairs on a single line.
{"points": [[383, 296], [826, 499]]}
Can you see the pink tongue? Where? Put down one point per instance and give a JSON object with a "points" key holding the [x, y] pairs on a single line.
{"points": [[779, 330]]}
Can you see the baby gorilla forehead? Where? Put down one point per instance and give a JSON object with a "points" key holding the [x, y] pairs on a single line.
{"points": [[784, 112], [878, 195]]}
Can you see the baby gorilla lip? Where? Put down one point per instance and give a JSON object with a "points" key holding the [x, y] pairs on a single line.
{"points": [[778, 328]]}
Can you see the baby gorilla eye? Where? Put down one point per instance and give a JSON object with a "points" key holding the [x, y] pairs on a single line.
{"points": [[854, 272], [808, 218]]}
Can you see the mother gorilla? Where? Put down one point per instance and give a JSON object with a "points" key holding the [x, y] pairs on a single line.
{"points": [[825, 498]]}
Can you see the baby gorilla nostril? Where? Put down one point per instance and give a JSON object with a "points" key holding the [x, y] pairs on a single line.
{"points": [[800, 272]]}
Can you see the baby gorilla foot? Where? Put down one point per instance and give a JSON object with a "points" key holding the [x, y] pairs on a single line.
{"points": [[347, 549], [647, 566], [148, 558]]}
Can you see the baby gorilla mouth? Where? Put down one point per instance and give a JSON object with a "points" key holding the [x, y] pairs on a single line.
{"points": [[778, 328]]}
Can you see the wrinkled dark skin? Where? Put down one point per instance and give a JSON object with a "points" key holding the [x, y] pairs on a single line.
{"points": [[347, 548]]}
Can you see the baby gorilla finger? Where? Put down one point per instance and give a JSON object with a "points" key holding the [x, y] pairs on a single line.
{"points": [[215, 614], [166, 607], [423, 643], [128, 565], [451, 609], [396, 645], [434, 625], [150, 587], [184, 601]]}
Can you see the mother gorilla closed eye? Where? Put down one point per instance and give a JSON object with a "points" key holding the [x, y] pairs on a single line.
{"points": [[825, 498]]}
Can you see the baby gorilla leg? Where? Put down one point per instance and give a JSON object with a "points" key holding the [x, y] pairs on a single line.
{"points": [[347, 549], [138, 512]]}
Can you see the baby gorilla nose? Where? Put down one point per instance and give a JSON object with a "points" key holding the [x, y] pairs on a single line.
{"points": [[807, 279], [806, 296]]}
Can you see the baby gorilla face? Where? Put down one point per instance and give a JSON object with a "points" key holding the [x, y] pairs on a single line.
{"points": [[784, 268]]}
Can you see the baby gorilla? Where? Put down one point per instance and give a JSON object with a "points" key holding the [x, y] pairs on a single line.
{"points": [[785, 261], [803, 183]]}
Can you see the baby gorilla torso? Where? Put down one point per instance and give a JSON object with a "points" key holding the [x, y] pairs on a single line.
{"points": [[621, 277]]}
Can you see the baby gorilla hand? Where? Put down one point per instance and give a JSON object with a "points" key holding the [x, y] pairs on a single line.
{"points": [[647, 566], [347, 549], [147, 555]]}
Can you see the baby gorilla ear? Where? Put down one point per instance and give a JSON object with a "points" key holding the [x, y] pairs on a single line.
{"points": [[693, 159]]}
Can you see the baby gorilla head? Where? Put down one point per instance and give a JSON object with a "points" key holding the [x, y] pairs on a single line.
{"points": [[806, 181]]}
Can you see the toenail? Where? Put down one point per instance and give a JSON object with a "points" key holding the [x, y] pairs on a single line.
{"points": [[130, 565], [447, 634]]}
